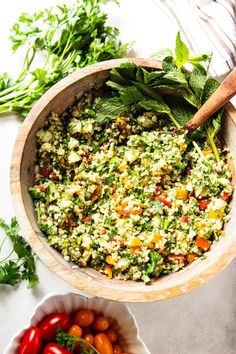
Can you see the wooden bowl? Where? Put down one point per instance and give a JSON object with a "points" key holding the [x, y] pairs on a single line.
{"points": [[57, 99]]}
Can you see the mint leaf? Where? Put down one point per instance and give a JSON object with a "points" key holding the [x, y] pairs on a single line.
{"points": [[109, 108], [160, 107], [181, 110], [197, 81], [128, 94], [162, 53], [204, 60], [181, 51], [168, 64], [210, 86], [191, 98]]}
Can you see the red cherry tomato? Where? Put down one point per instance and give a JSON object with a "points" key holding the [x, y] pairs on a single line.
{"points": [[101, 323], [84, 318], [51, 323], [31, 342], [111, 334], [54, 348], [102, 344]]}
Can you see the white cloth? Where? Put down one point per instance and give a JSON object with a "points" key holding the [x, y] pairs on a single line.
{"points": [[205, 26]]}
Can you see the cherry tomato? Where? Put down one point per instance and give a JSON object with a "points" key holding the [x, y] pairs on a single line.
{"points": [[203, 203], [84, 318], [101, 323], [111, 334], [75, 331], [90, 339], [54, 348], [31, 342], [117, 349], [102, 344], [51, 323]]}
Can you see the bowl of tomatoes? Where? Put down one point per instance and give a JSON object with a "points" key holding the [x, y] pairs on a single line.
{"points": [[73, 324]]}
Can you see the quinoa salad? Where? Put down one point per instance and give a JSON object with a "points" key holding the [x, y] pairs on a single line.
{"points": [[132, 198]]}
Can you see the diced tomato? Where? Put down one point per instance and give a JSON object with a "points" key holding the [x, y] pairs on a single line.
{"points": [[135, 249], [185, 219], [163, 199], [45, 171], [53, 176], [157, 191], [124, 213], [174, 257], [42, 188], [224, 195], [203, 244], [137, 211], [118, 239], [203, 203], [178, 132], [88, 218], [191, 257]]}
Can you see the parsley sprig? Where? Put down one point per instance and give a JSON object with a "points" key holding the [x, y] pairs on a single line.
{"points": [[66, 340], [19, 264]]}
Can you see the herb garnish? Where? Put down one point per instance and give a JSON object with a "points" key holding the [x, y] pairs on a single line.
{"points": [[68, 37], [66, 340], [19, 264], [135, 87]]}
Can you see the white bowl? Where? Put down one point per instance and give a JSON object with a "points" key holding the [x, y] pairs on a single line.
{"points": [[122, 319]]}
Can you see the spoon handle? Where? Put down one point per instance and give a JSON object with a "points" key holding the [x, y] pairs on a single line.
{"points": [[219, 98]]}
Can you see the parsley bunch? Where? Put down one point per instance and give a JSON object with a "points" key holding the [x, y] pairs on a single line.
{"points": [[68, 38], [19, 264]]}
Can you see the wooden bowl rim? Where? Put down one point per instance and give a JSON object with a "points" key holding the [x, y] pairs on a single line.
{"points": [[167, 286]]}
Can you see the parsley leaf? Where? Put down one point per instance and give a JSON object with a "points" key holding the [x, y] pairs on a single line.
{"points": [[12, 271], [66, 340]]}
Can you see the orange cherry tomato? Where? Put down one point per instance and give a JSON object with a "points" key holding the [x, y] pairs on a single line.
{"points": [[84, 318], [90, 339], [102, 344], [75, 331], [111, 334], [117, 349], [101, 323]]}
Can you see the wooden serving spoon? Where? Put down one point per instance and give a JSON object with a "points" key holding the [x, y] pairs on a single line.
{"points": [[219, 98]]}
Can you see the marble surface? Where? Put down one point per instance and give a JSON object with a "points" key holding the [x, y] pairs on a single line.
{"points": [[202, 322]]}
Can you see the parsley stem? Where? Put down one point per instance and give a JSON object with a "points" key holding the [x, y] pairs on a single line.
{"points": [[6, 258], [2, 243], [213, 145]]}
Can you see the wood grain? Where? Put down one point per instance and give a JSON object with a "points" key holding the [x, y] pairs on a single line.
{"points": [[57, 99]]}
